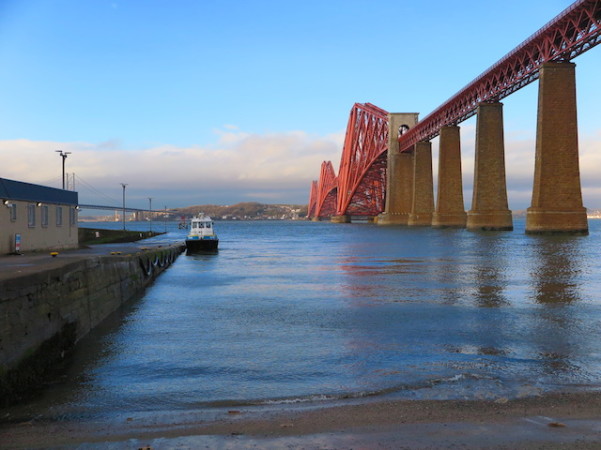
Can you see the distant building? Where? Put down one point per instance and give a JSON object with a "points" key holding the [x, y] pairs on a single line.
{"points": [[34, 217]]}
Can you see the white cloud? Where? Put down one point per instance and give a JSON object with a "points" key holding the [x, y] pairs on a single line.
{"points": [[275, 167], [239, 163]]}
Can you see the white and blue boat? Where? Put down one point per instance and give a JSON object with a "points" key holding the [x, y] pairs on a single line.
{"points": [[201, 237]]}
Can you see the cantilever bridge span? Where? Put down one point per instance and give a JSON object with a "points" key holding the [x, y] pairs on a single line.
{"points": [[385, 168], [359, 187]]}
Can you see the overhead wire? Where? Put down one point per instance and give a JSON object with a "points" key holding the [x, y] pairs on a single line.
{"points": [[94, 190]]}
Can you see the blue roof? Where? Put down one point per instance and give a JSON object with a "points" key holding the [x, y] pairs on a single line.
{"points": [[27, 192]]}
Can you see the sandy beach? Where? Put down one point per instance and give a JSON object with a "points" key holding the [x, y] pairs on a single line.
{"points": [[550, 421]]}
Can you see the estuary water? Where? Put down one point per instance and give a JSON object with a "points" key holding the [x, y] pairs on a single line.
{"points": [[306, 312]]}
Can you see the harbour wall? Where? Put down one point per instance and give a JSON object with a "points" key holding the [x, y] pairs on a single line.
{"points": [[44, 313]]}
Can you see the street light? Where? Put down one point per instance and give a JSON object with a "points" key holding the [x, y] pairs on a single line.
{"points": [[64, 156], [123, 184]]}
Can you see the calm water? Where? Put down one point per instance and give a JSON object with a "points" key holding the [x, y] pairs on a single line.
{"points": [[298, 311]]}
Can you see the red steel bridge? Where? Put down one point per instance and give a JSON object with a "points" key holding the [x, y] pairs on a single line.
{"points": [[360, 187]]}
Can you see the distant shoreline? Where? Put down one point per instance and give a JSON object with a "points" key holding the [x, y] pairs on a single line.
{"points": [[238, 211], [92, 219]]}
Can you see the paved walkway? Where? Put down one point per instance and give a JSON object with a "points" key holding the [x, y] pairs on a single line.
{"points": [[12, 266]]}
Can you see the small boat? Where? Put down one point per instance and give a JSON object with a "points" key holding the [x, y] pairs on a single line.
{"points": [[202, 235], [182, 225]]}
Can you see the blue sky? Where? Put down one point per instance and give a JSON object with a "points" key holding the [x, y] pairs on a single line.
{"points": [[193, 102]]}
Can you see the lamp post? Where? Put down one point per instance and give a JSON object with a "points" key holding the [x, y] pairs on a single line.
{"points": [[123, 184], [150, 209], [64, 156]]}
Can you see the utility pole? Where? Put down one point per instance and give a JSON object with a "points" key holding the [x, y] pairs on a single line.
{"points": [[150, 208], [64, 156], [123, 184]]}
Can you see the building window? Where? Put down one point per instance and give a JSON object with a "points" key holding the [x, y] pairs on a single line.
{"points": [[13, 212], [44, 219], [73, 214], [31, 215], [59, 216]]}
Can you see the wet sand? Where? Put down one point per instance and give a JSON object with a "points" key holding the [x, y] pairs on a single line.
{"points": [[550, 421]]}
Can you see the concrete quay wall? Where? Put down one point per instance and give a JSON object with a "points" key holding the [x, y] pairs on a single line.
{"points": [[45, 312]]}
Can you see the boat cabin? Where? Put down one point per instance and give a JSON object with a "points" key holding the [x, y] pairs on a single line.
{"points": [[201, 225]]}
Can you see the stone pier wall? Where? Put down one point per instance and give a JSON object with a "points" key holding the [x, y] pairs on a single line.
{"points": [[43, 314]]}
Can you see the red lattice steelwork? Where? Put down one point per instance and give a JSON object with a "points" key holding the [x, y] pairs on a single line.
{"points": [[362, 173], [574, 31], [327, 191]]}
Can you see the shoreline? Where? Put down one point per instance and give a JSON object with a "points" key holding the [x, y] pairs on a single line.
{"points": [[572, 419]]}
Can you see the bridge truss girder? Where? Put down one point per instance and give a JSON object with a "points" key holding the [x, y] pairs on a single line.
{"points": [[571, 33], [370, 194], [362, 173], [326, 189]]}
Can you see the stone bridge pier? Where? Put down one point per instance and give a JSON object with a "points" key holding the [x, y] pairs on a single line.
{"points": [[399, 174], [489, 201], [450, 210], [556, 196]]}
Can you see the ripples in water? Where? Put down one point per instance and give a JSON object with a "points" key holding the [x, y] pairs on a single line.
{"points": [[297, 312]]}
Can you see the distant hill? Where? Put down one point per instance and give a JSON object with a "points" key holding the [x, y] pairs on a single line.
{"points": [[246, 211]]}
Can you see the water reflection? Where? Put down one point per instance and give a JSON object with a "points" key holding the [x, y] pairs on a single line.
{"points": [[464, 306], [490, 265], [555, 281], [375, 279], [450, 273], [554, 340], [311, 309], [557, 269]]}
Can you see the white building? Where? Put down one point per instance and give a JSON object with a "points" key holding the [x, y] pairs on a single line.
{"points": [[34, 217]]}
